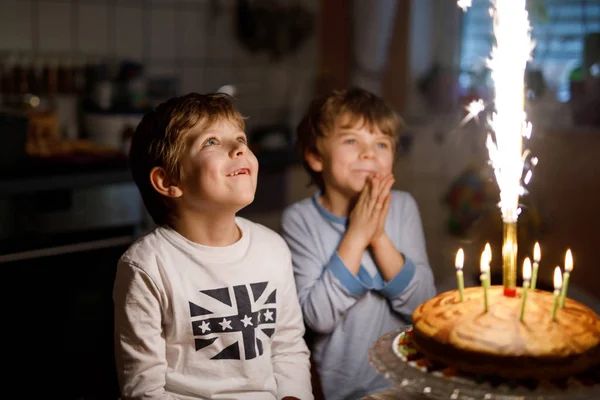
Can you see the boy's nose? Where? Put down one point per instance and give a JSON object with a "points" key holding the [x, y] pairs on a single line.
{"points": [[238, 149], [367, 152]]}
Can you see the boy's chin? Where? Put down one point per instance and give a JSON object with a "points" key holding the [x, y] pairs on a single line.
{"points": [[356, 189], [239, 202], [229, 204]]}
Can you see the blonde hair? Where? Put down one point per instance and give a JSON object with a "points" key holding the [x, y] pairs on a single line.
{"points": [[350, 107], [159, 141]]}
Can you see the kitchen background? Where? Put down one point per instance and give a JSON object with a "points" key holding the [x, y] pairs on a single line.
{"points": [[77, 75]]}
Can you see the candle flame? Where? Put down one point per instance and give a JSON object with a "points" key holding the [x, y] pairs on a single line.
{"points": [[526, 269], [537, 252], [569, 261], [557, 278], [460, 259], [484, 263], [488, 252]]}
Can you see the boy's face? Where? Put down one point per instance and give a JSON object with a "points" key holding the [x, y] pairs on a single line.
{"points": [[220, 171], [349, 155]]}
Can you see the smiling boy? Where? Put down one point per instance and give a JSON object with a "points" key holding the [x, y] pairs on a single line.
{"points": [[357, 246], [205, 304]]}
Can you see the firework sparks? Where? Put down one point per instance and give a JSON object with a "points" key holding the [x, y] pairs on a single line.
{"points": [[464, 4], [508, 61], [473, 110]]}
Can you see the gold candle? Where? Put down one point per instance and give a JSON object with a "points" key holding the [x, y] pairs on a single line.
{"points": [[526, 278], [484, 267], [567, 274], [537, 255], [509, 258], [557, 286], [458, 264]]}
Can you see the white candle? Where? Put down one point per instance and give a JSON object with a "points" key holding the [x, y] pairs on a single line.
{"points": [[458, 264], [537, 255], [567, 274], [557, 286], [526, 278], [484, 266]]}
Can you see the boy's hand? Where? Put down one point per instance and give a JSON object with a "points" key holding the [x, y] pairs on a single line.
{"points": [[386, 186], [366, 220]]}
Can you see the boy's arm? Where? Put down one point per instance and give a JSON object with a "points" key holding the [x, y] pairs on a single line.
{"points": [[290, 356], [139, 346], [326, 288], [409, 279]]}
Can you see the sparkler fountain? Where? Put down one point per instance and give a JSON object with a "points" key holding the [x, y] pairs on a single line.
{"points": [[507, 62]]}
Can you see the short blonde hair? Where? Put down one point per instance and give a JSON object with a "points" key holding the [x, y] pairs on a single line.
{"points": [[350, 107], [159, 141]]}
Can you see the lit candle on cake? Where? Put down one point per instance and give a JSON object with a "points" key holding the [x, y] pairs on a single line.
{"points": [[557, 286], [526, 278], [568, 269], [484, 266], [458, 264], [537, 255]]}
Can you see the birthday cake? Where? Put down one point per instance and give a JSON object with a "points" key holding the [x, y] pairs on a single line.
{"points": [[497, 343]]}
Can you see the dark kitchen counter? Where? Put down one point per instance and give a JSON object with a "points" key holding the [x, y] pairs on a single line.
{"points": [[37, 174]]}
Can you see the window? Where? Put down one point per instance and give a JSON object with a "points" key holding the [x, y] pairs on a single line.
{"points": [[559, 28]]}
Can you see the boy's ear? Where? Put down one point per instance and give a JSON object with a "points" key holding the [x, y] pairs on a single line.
{"points": [[315, 162], [162, 184]]}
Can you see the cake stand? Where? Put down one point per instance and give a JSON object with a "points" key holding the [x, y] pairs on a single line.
{"points": [[413, 377]]}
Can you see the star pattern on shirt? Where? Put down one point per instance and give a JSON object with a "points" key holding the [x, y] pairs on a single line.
{"points": [[205, 326], [249, 309], [268, 315], [247, 321], [225, 324]]}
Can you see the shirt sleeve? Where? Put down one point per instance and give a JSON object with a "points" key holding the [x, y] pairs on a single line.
{"points": [[326, 288], [139, 344], [290, 355], [414, 283]]}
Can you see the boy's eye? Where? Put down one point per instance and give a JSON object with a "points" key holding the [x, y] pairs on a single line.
{"points": [[210, 142], [242, 139], [382, 145], [350, 141]]}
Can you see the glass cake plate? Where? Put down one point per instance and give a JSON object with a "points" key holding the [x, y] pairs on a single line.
{"points": [[394, 357]]}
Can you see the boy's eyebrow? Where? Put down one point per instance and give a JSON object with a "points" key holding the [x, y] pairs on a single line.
{"points": [[347, 131], [350, 131], [193, 138]]}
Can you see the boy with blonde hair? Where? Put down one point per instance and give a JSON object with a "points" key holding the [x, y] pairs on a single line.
{"points": [[205, 304], [358, 247]]}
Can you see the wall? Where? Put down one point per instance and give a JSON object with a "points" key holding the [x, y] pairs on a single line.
{"points": [[193, 40], [434, 37]]}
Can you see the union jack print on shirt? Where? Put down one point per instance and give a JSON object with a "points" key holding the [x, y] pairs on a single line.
{"points": [[242, 314]]}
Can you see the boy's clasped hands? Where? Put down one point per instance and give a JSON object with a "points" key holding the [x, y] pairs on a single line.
{"points": [[366, 222]]}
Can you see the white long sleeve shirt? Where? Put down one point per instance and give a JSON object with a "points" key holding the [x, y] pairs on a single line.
{"points": [[200, 322]]}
